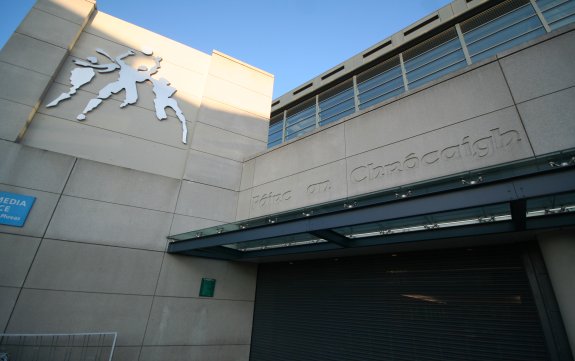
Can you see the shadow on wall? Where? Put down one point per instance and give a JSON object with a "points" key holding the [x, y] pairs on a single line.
{"points": [[134, 100], [111, 188]]}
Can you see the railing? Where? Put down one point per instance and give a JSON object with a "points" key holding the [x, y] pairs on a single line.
{"points": [[58, 347], [496, 29]]}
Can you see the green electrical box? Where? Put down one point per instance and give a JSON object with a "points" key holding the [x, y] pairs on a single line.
{"points": [[207, 287]]}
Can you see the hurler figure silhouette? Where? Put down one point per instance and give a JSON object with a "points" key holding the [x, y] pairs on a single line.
{"points": [[127, 80]]}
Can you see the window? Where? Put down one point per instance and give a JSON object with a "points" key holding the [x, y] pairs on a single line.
{"points": [[300, 119], [433, 58], [557, 12], [276, 131], [501, 28], [380, 83], [336, 103]]}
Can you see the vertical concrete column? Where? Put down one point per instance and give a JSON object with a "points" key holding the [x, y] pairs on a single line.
{"points": [[32, 57], [232, 125], [558, 250]]}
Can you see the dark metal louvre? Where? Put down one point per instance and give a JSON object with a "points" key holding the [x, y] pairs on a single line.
{"points": [[430, 44], [441, 305], [378, 69], [491, 14]]}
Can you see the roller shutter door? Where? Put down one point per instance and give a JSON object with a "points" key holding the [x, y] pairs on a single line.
{"points": [[472, 304]]}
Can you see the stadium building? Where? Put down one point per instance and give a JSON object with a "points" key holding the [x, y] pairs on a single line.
{"points": [[415, 202]]}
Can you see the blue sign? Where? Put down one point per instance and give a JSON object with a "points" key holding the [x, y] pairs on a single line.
{"points": [[14, 208]]}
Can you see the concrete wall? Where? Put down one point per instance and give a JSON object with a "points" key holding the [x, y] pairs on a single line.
{"points": [[130, 137], [514, 106], [109, 190], [32, 57], [558, 250]]}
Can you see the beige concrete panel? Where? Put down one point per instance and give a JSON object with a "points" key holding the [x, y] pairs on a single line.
{"points": [[459, 6], [213, 170], [130, 35], [314, 186], [549, 121], [488, 140], [136, 116], [238, 72], [33, 168], [99, 81], [237, 96], [193, 321], [76, 11], [13, 119], [49, 28], [32, 54], [244, 205], [204, 201], [558, 250], [248, 170], [43, 311], [222, 143], [204, 353], [8, 296], [541, 69], [468, 95], [89, 221], [63, 347], [39, 215], [234, 120], [16, 255], [181, 276], [122, 353], [21, 85], [325, 146], [190, 107], [71, 266], [125, 186], [425, 25], [183, 224], [11, 129], [131, 120], [85, 141], [189, 84], [87, 44], [445, 13]]}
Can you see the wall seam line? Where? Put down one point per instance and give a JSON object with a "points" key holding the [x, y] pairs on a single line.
{"points": [[112, 98], [346, 156], [164, 253], [546, 94], [93, 243], [516, 108], [27, 69], [115, 203], [167, 61], [240, 85], [86, 123], [436, 129], [230, 131], [54, 15], [38, 248]]}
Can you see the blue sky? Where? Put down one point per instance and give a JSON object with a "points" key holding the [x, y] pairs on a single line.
{"points": [[295, 40]]}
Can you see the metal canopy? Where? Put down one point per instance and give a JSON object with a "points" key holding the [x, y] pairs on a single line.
{"points": [[536, 199]]}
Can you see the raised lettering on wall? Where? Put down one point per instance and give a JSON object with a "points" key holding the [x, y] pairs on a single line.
{"points": [[468, 148]]}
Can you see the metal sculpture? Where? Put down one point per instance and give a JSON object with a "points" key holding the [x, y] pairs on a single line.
{"points": [[163, 100], [128, 78]]}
